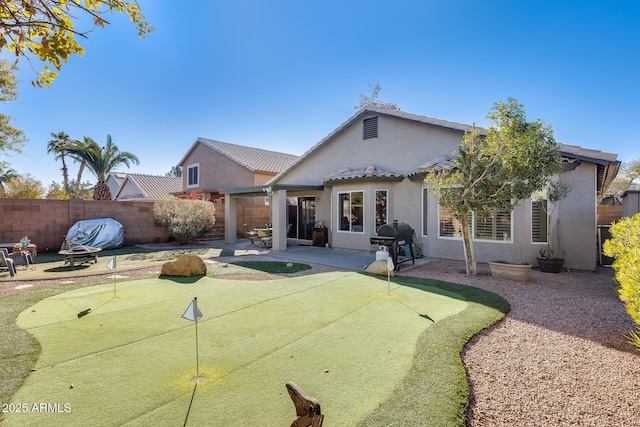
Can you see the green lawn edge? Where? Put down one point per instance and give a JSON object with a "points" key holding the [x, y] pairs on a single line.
{"points": [[435, 390]]}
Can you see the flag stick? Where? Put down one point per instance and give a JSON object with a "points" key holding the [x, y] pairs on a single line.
{"points": [[195, 300]]}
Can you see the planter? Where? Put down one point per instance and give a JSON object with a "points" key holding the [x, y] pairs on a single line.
{"points": [[25, 242], [550, 265], [502, 270]]}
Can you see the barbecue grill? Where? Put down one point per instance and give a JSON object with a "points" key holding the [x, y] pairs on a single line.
{"points": [[398, 237]]}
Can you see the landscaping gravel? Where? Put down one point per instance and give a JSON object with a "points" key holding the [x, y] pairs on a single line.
{"points": [[559, 358]]}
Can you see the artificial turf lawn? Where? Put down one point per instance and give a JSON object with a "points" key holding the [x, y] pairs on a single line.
{"points": [[132, 358]]}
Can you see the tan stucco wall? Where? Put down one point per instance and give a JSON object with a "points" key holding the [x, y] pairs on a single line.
{"points": [[401, 147], [216, 171]]}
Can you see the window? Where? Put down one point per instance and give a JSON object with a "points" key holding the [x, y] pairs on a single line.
{"points": [[425, 196], [539, 221], [381, 208], [193, 178], [449, 226], [370, 128], [496, 226], [350, 211]]}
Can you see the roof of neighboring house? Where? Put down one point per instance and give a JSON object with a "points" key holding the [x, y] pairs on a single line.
{"points": [[254, 159], [118, 177], [150, 186]]}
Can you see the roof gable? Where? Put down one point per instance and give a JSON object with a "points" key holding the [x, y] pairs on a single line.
{"points": [[428, 121], [254, 159], [149, 186]]}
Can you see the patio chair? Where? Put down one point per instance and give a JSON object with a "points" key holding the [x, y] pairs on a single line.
{"points": [[6, 262], [252, 235]]}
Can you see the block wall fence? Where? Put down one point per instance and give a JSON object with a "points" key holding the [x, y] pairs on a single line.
{"points": [[46, 222]]}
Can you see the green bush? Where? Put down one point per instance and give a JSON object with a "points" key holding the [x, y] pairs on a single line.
{"points": [[185, 219], [624, 246]]}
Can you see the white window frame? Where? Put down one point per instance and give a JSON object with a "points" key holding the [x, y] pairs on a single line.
{"points": [[189, 167], [425, 211], [375, 208], [339, 213], [510, 240], [473, 230]]}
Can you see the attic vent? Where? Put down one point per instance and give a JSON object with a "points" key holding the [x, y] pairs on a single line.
{"points": [[370, 128]]}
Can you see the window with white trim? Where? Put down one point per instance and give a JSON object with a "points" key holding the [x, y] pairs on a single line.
{"points": [[193, 175], [351, 211], [425, 198], [539, 221], [494, 226], [449, 225], [381, 209]]}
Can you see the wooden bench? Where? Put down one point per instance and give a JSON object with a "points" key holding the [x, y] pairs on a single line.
{"points": [[307, 408]]}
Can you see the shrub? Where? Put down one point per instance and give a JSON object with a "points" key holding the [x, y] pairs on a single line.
{"points": [[185, 219], [624, 246]]}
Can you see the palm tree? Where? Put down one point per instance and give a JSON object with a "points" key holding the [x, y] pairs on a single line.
{"points": [[58, 145], [80, 146], [6, 174], [101, 161]]}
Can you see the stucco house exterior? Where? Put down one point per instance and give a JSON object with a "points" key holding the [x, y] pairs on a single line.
{"points": [[210, 165], [370, 170]]}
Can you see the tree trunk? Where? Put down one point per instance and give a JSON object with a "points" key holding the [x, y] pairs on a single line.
{"points": [[467, 240]]}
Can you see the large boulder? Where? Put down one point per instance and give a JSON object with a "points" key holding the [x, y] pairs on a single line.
{"points": [[186, 265]]}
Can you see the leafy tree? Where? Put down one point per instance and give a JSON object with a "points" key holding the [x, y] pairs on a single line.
{"points": [[493, 172], [6, 174], [624, 246], [175, 172], [629, 172], [101, 161], [373, 99], [185, 219], [57, 192], [45, 29], [11, 139], [24, 187], [58, 145]]}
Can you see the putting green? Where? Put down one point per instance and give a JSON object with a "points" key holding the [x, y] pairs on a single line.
{"points": [[130, 361]]}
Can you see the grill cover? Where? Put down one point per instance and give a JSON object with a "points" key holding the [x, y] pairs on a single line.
{"points": [[105, 233]]}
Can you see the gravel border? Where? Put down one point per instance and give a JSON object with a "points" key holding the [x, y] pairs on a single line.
{"points": [[558, 358]]}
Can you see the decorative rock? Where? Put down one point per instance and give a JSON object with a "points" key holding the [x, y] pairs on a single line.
{"points": [[186, 265], [378, 267]]}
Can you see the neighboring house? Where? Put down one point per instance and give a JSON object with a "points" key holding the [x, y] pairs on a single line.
{"points": [[209, 166], [114, 181], [370, 171], [141, 186]]}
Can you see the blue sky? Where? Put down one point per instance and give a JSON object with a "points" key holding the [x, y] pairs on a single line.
{"points": [[282, 74]]}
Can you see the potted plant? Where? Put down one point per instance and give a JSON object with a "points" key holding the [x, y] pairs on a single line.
{"points": [[547, 259], [506, 270]]}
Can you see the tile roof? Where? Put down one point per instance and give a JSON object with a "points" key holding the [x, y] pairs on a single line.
{"points": [[151, 186], [361, 173], [254, 159]]}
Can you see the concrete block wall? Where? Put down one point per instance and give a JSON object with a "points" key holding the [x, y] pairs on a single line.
{"points": [[46, 222]]}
